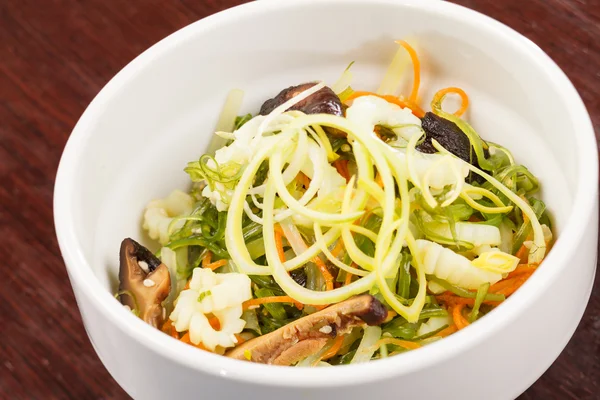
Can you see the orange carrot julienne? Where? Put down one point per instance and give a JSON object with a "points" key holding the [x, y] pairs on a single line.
{"points": [[303, 179], [522, 269], [439, 97], [169, 329], [206, 259], [447, 331], [239, 339], [398, 342], [510, 282], [348, 279], [460, 321], [216, 264], [342, 168], [279, 244], [416, 110], [215, 323], [416, 70], [516, 283], [339, 246], [523, 254], [186, 339], [379, 180], [325, 272], [249, 304], [333, 350]]}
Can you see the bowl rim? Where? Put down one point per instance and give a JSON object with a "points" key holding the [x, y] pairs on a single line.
{"points": [[82, 276]]}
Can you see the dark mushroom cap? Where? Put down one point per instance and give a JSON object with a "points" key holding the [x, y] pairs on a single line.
{"points": [[324, 101], [451, 137], [141, 290], [305, 336]]}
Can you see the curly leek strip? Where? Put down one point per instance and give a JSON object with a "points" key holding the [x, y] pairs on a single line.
{"points": [[499, 209], [372, 189], [287, 283], [328, 219], [369, 234], [538, 250], [294, 165], [352, 249], [331, 156], [234, 239], [319, 161], [403, 233], [321, 242], [384, 159]]}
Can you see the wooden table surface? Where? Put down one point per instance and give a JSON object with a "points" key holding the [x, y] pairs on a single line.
{"points": [[56, 55]]}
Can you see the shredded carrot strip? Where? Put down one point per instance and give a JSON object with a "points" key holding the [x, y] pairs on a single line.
{"points": [[504, 283], [187, 285], [416, 110], [215, 323], [512, 282], [303, 179], [239, 339], [439, 97], [216, 264], [379, 180], [325, 272], [516, 284], [339, 246], [398, 342], [348, 279], [333, 350], [169, 329], [460, 321], [207, 259], [416, 70], [446, 332], [279, 244], [342, 168], [186, 339], [523, 254], [522, 269], [270, 299]]}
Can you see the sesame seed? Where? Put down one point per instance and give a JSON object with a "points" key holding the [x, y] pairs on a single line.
{"points": [[149, 282], [127, 307], [326, 329], [143, 265], [254, 307], [346, 147], [233, 338]]}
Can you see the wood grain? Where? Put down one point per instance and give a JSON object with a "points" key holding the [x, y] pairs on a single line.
{"points": [[56, 55]]}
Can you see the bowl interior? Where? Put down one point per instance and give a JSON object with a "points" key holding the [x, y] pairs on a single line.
{"points": [[160, 112]]}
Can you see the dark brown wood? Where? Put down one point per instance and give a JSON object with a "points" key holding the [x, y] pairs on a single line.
{"points": [[55, 55]]}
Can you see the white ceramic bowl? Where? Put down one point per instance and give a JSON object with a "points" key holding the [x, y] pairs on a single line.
{"points": [[158, 113]]}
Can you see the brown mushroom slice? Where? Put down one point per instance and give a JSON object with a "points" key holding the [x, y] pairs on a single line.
{"points": [[324, 101], [307, 335], [144, 282]]}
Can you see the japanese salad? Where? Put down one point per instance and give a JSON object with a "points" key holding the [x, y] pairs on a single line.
{"points": [[337, 226]]}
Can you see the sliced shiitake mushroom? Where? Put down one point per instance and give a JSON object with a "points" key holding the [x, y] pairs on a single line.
{"points": [[307, 335], [324, 101], [144, 282], [451, 137]]}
